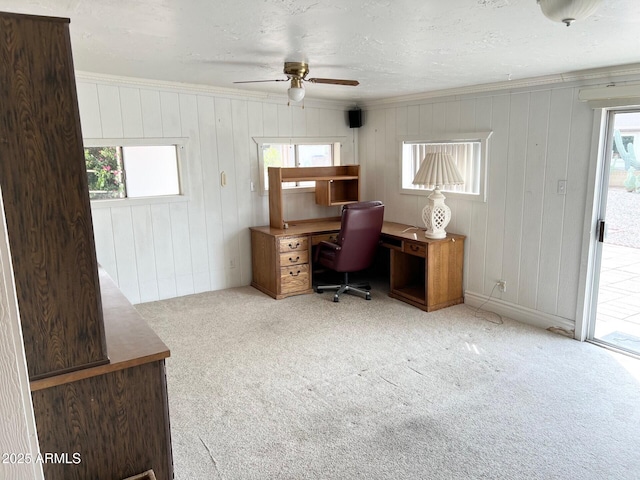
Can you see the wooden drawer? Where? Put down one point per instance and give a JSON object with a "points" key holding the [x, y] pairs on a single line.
{"points": [[291, 244], [416, 249], [326, 237], [294, 258], [294, 279]]}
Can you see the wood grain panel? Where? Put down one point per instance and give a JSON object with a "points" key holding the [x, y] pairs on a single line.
{"points": [[117, 423], [295, 279], [444, 280], [46, 198], [263, 259]]}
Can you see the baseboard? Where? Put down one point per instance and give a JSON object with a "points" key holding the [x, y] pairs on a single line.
{"points": [[521, 314]]}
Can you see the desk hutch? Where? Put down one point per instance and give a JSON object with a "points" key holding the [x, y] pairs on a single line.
{"points": [[335, 186]]}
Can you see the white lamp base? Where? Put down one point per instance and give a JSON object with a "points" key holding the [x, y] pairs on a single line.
{"points": [[436, 215]]}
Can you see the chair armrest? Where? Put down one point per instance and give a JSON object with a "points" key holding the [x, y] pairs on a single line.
{"points": [[332, 246], [327, 245]]}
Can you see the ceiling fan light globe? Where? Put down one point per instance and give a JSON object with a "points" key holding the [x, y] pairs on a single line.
{"points": [[568, 11], [296, 94]]}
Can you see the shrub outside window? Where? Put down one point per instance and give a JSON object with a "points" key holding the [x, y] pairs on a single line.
{"points": [[131, 171]]}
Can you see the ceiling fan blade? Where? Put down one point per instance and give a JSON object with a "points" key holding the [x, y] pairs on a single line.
{"points": [[334, 81], [262, 81]]}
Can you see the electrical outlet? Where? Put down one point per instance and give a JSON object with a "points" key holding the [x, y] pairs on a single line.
{"points": [[502, 285]]}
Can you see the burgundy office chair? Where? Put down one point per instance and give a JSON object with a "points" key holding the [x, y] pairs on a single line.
{"points": [[355, 247]]}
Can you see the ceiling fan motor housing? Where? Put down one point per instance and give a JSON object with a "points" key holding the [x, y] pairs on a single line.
{"points": [[296, 69]]}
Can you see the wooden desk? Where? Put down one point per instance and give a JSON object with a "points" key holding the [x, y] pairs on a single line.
{"points": [[425, 273]]}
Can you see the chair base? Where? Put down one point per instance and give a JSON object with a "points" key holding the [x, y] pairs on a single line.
{"points": [[363, 289]]}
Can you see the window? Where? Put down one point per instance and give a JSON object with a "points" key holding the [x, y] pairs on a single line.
{"points": [[469, 151], [131, 171], [285, 152]]}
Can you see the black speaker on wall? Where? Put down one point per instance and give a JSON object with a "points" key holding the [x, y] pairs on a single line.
{"points": [[355, 118]]}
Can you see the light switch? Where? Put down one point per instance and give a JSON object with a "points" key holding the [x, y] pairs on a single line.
{"points": [[562, 187]]}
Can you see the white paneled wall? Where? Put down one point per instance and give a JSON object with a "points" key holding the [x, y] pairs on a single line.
{"points": [[18, 427], [158, 249], [525, 233]]}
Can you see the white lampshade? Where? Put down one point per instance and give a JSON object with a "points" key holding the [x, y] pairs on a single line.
{"points": [[437, 170], [568, 11]]}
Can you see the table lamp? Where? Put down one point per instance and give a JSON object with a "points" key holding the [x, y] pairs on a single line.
{"points": [[437, 170]]}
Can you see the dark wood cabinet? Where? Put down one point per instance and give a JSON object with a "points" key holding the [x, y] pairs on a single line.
{"points": [[114, 418], [46, 198], [97, 371]]}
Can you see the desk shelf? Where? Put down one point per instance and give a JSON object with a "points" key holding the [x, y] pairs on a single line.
{"points": [[338, 185]]}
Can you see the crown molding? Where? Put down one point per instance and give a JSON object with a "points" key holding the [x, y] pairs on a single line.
{"points": [[561, 78], [197, 88]]}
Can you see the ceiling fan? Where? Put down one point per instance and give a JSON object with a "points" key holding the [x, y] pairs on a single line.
{"points": [[297, 72]]}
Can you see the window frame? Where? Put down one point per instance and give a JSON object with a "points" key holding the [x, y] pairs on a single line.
{"points": [[467, 137], [295, 141], [178, 142]]}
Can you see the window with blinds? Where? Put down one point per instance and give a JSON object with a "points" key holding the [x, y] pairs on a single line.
{"points": [[469, 152]]}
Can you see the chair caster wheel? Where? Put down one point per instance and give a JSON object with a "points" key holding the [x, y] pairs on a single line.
{"points": [[336, 298], [367, 296]]}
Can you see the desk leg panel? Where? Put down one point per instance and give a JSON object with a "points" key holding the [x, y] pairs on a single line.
{"points": [[263, 263], [444, 274]]}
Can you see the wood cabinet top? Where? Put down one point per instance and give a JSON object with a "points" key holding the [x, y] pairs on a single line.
{"points": [[130, 340]]}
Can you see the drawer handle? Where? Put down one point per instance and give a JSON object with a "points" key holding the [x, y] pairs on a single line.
{"points": [[294, 274], [293, 247], [414, 248], [294, 260]]}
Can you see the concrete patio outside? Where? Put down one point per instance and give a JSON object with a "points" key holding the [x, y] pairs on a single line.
{"points": [[618, 311]]}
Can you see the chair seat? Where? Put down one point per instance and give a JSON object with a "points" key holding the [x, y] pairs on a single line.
{"points": [[355, 247]]}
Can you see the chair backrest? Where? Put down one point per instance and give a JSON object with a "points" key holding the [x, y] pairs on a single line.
{"points": [[359, 235]]}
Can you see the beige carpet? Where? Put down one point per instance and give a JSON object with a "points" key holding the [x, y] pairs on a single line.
{"points": [[305, 388]]}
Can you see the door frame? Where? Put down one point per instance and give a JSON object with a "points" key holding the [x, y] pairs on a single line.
{"points": [[589, 236], [601, 145]]}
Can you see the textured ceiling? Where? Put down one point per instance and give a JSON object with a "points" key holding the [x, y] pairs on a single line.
{"points": [[393, 47]]}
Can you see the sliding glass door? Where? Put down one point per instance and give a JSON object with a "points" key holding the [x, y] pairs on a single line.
{"points": [[616, 317]]}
